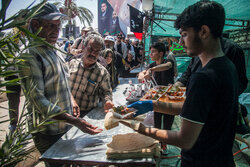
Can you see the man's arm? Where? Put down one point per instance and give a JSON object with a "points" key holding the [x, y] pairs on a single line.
{"points": [[106, 91], [162, 67], [79, 123], [185, 138], [74, 50], [167, 108], [34, 85]]}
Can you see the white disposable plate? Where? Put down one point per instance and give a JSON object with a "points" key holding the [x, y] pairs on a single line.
{"points": [[117, 115]]}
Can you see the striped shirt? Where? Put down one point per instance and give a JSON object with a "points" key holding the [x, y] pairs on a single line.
{"points": [[48, 72], [88, 85]]}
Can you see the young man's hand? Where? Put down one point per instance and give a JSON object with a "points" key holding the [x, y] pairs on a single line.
{"points": [[142, 107]]}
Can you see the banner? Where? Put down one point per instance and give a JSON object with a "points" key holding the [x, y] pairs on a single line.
{"points": [[136, 20], [113, 16]]}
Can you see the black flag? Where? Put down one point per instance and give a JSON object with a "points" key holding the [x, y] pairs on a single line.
{"points": [[136, 20]]}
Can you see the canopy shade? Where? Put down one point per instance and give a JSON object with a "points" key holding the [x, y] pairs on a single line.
{"points": [[165, 12]]}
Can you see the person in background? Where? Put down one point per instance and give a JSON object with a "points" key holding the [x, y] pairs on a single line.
{"points": [[136, 46], [46, 75], [77, 47], [242, 121], [13, 91], [140, 57], [120, 46], [130, 64], [90, 81], [162, 77], [109, 56], [170, 55], [109, 42], [129, 46], [211, 95]]}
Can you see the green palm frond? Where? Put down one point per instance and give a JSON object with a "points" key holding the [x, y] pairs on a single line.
{"points": [[17, 146]]}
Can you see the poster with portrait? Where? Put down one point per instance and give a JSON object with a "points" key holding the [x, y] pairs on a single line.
{"points": [[113, 16]]}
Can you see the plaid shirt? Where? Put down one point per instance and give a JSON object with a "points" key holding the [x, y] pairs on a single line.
{"points": [[48, 72], [88, 85]]}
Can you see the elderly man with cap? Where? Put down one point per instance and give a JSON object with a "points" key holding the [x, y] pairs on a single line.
{"points": [[45, 77], [77, 47]]}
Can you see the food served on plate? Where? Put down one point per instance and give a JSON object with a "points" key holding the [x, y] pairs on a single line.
{"points": [[155, 93], [176, 93], [122, 112]]}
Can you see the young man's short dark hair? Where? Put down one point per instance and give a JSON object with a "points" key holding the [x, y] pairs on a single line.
{"points": [[208, 13], [160, 47]]}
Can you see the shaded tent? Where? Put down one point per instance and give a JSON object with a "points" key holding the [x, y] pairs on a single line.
{"points": [[165, 12]]}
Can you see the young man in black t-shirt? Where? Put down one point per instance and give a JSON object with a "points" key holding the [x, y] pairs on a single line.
{"points": [[164, 75], [209, 112]]}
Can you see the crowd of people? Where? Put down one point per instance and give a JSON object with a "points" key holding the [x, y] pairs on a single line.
{"points": [[75, 81]]}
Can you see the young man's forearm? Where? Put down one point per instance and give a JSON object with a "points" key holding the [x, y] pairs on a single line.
{"points": [[167, 108], [161, 67]]}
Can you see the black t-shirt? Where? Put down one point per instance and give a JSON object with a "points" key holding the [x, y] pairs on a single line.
{"points": [[164, 77], [131, 63], [212, 100], [119, 48]]}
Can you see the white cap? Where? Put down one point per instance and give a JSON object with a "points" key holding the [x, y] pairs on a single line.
{"points": [[109, 38]]}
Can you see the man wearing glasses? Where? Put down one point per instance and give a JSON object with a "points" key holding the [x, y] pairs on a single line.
{"points": [[120, 46], [90, 81]]}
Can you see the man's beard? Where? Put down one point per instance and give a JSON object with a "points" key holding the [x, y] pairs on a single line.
{"points": [[92, 57]]}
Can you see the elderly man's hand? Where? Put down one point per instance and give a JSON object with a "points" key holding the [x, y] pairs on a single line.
{"points": [[76, 109], [108, 105], [86, 127]]}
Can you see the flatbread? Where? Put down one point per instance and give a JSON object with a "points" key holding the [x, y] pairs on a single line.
{"points": [[149, 152], [110, 121], [130, 141]]}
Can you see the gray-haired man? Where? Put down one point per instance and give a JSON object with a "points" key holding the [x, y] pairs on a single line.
{"points": [[90, 81]]}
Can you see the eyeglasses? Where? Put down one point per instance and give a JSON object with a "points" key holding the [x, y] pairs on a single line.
{"points": [[93, 51]]}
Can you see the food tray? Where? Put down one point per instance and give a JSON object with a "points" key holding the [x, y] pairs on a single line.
{"points": [[155, 93]]}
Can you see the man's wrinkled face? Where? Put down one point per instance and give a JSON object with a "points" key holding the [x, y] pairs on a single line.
{"points": [[50, 29], [92, 51], [103, 7], [190, 41], [109, 44]]}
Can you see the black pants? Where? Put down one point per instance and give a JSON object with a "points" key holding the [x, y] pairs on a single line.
{"points": [[14, 100], [43, 142], [167, 120]]}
